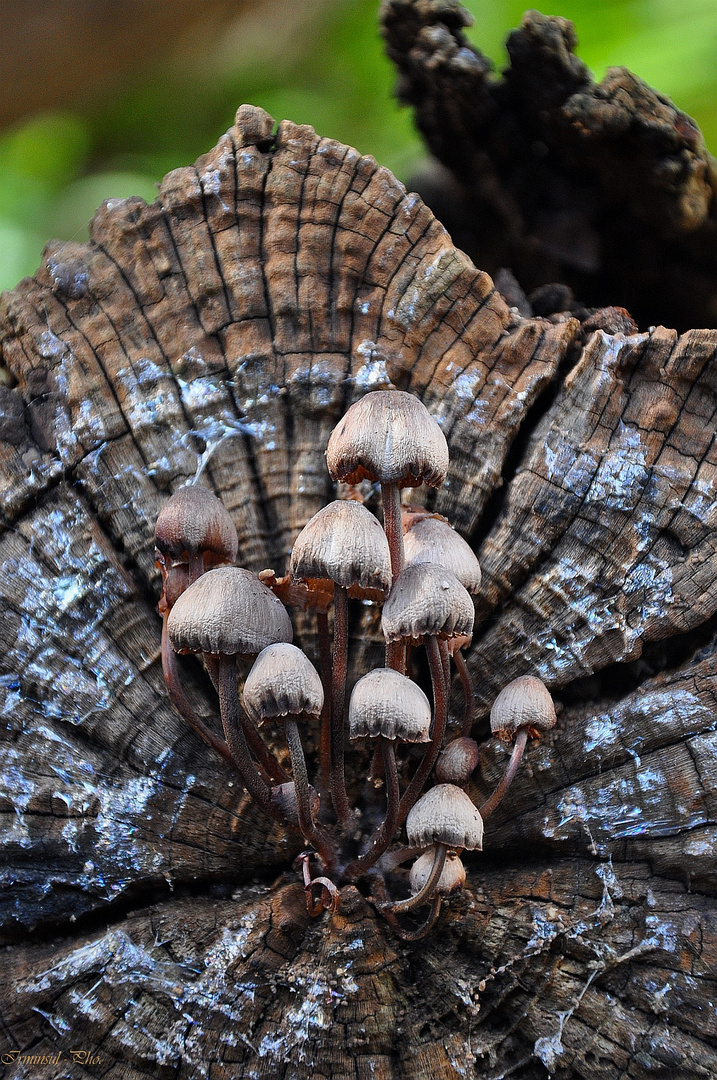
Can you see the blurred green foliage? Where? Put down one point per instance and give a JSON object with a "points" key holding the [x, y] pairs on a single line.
{"points": [[56, 169]]}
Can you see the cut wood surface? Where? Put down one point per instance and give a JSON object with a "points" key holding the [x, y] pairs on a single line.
{"points": [[151, 917]]}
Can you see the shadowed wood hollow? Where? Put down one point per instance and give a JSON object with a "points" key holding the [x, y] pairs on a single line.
{"points": [[226, 328]]}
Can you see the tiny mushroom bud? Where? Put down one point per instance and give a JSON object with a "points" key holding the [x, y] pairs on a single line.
{"points": [[457, 761], [523, 703], [453, 875], [284, 796]]}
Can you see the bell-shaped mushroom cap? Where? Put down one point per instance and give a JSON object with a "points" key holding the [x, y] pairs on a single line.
{"points": [[453, 874], [445, 815], [388, 436], [427, 600], [227, 611], [384, 702], [523, 703], [282, 682], [457, 761], [344, 543], [431, 540], [195, 520]]}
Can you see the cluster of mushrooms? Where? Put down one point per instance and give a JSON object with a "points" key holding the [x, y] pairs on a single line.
{"points": [[423, 573]]}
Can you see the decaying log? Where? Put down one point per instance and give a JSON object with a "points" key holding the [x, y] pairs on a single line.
{"points": [[151, 917], [605, 187]]}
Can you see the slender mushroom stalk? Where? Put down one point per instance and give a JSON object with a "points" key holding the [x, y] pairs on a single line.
{"points": [[386, 705], [226, 612], [179, 699], [523, 709], [283, 685], [343, 544], [236, 741], [496, 797], [428, 888]]}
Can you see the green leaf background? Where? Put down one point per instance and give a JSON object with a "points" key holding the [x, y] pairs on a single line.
{"points": [[56, 168]]}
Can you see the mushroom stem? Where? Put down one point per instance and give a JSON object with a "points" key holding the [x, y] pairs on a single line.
{"points": [[420, 776], [236, 740], [391, 859], [266, 762], [446, 664], [308, 826], [196, 566], [396, 656], [423, 929], [384, 834], [172, 679], [338, 698], [322, 625], [392, 526], [426, 893], [493, 800], [468, 692]]}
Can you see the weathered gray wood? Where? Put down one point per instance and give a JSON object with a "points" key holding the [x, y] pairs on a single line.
{"points": [[227, 326]]}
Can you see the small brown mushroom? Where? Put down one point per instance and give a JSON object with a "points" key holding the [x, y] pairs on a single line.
{"points": [[390, 437], [431, 539], [522, 710], [428, 603], [344, 544], [227, 612], [386, 705], [193, 526], [284, 685], [445, 817]]}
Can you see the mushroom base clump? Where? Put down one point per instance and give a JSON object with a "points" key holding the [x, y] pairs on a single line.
{"points": [[223, 613]]}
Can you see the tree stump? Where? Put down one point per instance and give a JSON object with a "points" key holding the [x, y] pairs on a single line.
{"points": [[152, 922]]}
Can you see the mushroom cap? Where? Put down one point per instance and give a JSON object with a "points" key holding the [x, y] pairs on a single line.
{"points": [[453, 874], [432, 540], [457, 761], [227, 611], [445, 815], [195, 520], [389, 436], [385, 702], [284, 796], [523, 703], [282, 682], [427, 600], [344, 543]]}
